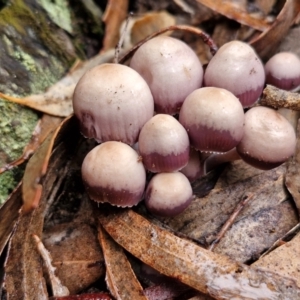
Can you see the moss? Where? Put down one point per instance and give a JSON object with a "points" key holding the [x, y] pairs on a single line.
{"points": [[59, 13], [8, 181]]}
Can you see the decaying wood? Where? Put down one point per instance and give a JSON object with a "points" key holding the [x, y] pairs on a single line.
{"points": [[199, 268], [277, 98]]}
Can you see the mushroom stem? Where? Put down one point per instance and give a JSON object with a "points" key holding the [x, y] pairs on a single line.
{"points": [[217, 159]]}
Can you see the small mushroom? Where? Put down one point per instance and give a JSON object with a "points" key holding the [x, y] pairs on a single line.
{"points": [[168, 194], [237, 68], [164, 144], [171, 69], [213, 118], [283, 71], [269, 139], [113, 172]]}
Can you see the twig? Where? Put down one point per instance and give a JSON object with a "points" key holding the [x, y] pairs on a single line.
{"points": [[205, 37], [58, 288], [278, 98], [231, 220]]}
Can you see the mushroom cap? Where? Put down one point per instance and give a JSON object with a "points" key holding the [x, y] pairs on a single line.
{"points": [[237, 68], [213, 118], [283, 71], [113, 172], [112, 102], [164, 144], [269, 139], [168, 194], [171, 69]]}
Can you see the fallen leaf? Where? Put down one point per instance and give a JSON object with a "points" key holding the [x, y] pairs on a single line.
{"points": [[45, 125], [23, 268], [268, 216], [266, 43], [92, 296], [9, 213], [232, 10], [285, 260], [149, 23], [57, 100], [76, 254], [115, 13], [292, 179], [35, 170], [203, 270], [120, 277]]}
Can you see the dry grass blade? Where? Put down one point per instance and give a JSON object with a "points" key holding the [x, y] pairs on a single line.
{"points": [[201, 269], [230, 10], [120, 278]]}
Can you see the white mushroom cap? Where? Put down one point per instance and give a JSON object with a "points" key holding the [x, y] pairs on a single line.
{"points": [[269, 139]]}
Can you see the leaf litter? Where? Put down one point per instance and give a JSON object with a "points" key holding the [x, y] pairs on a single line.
{"points": [[172, 254]]}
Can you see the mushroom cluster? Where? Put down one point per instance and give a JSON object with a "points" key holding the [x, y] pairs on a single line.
{"points": [[154, 117]]}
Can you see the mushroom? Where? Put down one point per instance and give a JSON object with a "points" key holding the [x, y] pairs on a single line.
{"points": [[171, 69], [194, 168], [213, 118], [269, 139], [168, 194], [283, 71], [112, 102], [237, 68], [164, 144], [113, 172]]}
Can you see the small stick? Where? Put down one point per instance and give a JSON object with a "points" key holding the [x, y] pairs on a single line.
{"points": [[231, 220], [278, 98], [58, 288], [205, 37]]}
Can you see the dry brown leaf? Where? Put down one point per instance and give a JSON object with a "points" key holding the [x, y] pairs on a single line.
{"points": [[120, 277], [45, 125], [115, 13], [9, 213], [233, 11], [266, 43], [57, 100], [139, 28], [260, 224], [36, 169], [292, 180], [201, 269], [76, 254], [91, 296], [23, 268], [285, 260]]}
